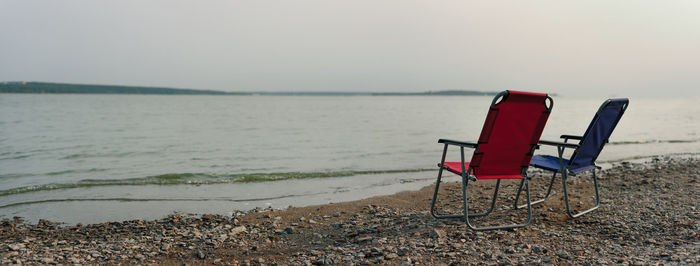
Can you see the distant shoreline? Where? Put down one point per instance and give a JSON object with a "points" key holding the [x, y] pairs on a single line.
{"points": [[67, 88]]}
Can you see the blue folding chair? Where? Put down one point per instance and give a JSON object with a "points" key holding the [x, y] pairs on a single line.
{"points": [[586, 152]]}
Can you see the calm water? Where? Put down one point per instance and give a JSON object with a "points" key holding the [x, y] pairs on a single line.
{"points": [[87, 158]]}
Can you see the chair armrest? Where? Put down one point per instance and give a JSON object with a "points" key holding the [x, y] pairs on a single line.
{"points": [[458, 143], [566, 137], [559, 144]]}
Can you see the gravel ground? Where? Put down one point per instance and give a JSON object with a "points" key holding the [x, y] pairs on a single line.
{"points": [[648, 215]]}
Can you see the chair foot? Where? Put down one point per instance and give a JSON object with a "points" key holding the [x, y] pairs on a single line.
{"points": [[546, 196], [566, 198], [531, 203], [461, 215], [581, 213], [501, 227]]}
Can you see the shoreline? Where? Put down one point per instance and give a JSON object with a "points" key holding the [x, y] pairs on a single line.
{"points": [[150, 202], [648, 214]]}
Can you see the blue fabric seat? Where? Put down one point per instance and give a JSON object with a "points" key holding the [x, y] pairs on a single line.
{"points": [[551, 163], [547, 162]]}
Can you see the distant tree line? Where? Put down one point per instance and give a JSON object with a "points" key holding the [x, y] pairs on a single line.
{"points": [[448, 92], [45, 87]]}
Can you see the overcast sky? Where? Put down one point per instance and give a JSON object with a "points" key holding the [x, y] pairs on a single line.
{"points": [[566, 47]]}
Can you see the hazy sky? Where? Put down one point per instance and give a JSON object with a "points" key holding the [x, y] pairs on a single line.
{"points": [[566, 47]]}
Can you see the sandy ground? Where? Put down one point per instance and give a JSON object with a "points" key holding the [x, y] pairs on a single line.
{"points": [[648, 215]]}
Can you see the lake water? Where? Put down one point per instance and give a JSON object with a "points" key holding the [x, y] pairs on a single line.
{"points": [[93, 158]]}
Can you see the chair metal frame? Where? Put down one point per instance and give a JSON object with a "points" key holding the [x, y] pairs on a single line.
{"points": [[465, 183], [467, 176], [564, 170]]}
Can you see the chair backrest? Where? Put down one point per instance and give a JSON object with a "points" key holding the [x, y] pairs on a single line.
{"points": [[597, 134], [510, 134]]}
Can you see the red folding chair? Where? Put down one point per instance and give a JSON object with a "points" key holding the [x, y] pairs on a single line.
{"points": [[507, 142]]}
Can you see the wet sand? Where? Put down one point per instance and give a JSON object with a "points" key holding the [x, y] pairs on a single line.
{"points": [[648, 215]]}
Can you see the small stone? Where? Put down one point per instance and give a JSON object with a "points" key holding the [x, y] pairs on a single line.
{"points": [[289, 230], [437, 233], [16, 247], [392, 256], [165, 247], [237, 230], [200, 254], [363, 239], [563, 255]]}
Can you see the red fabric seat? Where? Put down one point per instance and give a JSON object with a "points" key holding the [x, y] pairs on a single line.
{"points": [[511, 131], [454, 167]]}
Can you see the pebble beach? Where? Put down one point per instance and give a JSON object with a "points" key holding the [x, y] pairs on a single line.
{"points": [[648, 215]]}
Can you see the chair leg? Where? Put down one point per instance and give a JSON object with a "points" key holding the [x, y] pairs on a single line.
{"points": [[493, 202], [549, 190], [566, 197], [434, 213], [437, 186], [465, 183], [435, 195]]}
